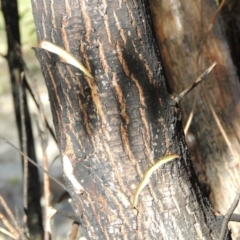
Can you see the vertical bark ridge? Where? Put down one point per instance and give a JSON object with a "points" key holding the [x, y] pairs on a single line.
{"points": [[121, 31], [53, 20], [68, 8], [45, 8], [65, 39], [106, 23], [87, 22]]}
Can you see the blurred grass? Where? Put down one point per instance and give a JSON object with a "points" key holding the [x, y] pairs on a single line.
{"points": [[28, 40], [27, 28]]}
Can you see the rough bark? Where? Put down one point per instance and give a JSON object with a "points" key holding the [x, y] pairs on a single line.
{"points": [[114, 127], [33, 207], [188, 50]]}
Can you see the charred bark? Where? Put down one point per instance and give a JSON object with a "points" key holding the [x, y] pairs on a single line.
{"points": [[111, 129]]}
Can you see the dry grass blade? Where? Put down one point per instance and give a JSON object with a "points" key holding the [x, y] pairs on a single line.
{"points": [[4, 231], [13, 219], [8, 225], [66, 57], [223, 132], [189, 121]]}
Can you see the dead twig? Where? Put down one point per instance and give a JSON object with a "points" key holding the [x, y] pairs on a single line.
{"points": [[189, 121], [74, 231], [46, 184], [204, 39], [194, 84], [69, 215], [235, 217], [37, 99], [24, 144], [44, 143]]}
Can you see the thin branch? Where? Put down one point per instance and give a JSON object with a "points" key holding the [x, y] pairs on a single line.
{"points": [[64, 195], [74, 231], [44, 142], [69, 215], [35, 164], [50, 212], [37, 100], [228, 215], [193, 85], [205, 36], [24, 143], [216, 14], [46, 184], [235, 217]]}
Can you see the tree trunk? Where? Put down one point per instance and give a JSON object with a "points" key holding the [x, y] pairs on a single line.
{"points": [[110, 130], [213, 138]]}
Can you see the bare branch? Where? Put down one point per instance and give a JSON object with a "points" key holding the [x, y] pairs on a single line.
{"points": [[235, 217], [193, 85], [74, 231], [24, 144], [203, 41], [36, 98], [46, 185]]}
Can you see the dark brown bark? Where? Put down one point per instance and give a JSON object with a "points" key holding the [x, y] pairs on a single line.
{"points": [[33, 208], [188, 49], [111, 137], [231, 21]]}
